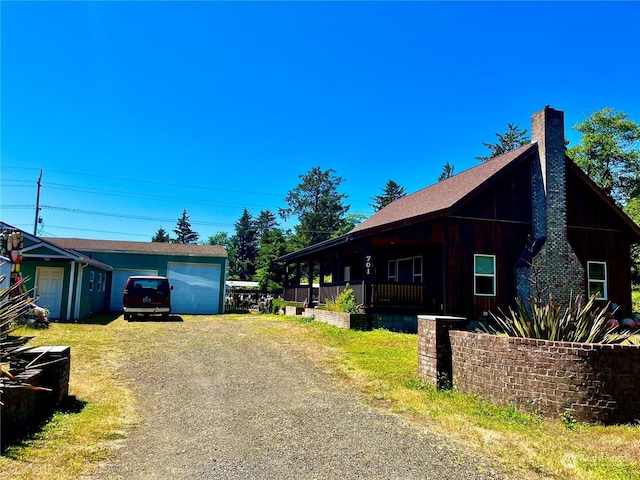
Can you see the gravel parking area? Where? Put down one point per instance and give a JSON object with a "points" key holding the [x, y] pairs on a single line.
{"points": [[220, 402]]}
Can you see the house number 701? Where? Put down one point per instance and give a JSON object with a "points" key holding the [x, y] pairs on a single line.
{"points": [[368, 264]]}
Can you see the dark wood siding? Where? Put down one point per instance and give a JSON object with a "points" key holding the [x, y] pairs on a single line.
{"points": [[612, 248], [505, 240], [509, 198]]}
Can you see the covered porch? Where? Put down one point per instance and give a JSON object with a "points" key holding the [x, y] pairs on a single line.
{"points": [[387, 275]]}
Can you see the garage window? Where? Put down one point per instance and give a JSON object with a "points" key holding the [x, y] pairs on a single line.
{"points": [[92, 277]]}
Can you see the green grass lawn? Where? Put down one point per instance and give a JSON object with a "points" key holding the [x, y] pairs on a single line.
{"points": [[380, 365]]}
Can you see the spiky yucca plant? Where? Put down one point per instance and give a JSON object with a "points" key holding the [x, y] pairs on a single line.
{"points": [[586, 323], [13, 303]]}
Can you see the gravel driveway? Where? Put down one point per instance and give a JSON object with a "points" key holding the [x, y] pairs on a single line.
{"points": [[220, 402]]}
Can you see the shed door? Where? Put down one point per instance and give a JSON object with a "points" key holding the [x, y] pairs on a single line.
{"points": [[49, 289], [196, 287], [118, 282]]}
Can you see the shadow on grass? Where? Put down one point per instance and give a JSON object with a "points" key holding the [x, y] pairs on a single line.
{"points": [[156, 318], [69, 406], [102, 319]]}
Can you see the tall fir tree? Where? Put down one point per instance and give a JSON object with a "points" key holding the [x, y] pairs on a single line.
{"points": [[391, 192], [447, 172], [161, 236], [511, 139], [245, 248], [183, 231], [265, 222], [270, 275]]}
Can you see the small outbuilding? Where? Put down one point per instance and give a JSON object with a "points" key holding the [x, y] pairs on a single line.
{"points": [[197, 273]]}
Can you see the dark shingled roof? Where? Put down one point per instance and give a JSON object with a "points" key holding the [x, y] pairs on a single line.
{"points": [[443, 197], [161, 248]]}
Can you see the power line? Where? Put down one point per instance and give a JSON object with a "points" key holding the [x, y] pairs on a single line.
{"points": [[149, 182], [148, 196], [135, 217], [92, 230]]}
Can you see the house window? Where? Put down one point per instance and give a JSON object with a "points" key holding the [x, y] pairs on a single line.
{"points": [[99, 289], [405, 270], [597, 279], [417, 269], [92, 277], [484, 284], [391, 271]]}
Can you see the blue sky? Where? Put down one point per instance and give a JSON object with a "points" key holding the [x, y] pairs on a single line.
{"points": [[136, 111]]}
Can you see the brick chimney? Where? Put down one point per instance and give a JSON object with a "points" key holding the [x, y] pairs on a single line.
{"points": [[554, 268]]}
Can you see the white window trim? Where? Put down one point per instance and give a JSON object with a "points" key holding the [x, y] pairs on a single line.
{"points": [[99, 286], [494, 276], [604, 295], [416, 277], [92, 277]]}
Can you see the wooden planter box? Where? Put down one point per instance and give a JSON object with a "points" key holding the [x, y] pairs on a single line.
{"points": [[24, 408]]}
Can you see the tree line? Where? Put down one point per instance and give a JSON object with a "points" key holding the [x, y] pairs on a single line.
{"points": [[608, 153]]}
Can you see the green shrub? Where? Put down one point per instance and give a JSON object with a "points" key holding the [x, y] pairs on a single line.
{"points": [[345, 302], [551, 321]]}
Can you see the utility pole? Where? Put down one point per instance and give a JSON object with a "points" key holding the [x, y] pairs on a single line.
{"points": [[35, 225]]}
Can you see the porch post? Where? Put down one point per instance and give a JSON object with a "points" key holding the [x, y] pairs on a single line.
{"points": [[72, 279], [310, 280], [368, 272], [321, 269]]}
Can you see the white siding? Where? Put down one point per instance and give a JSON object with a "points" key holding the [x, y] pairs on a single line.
{"points": [[196, 288]]}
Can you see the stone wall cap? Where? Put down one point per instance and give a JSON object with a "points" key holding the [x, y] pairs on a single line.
{"points": [[447, 318]]}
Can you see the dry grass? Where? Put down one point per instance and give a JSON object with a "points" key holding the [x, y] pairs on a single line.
{"points": [[102, 410], [381, 365]]}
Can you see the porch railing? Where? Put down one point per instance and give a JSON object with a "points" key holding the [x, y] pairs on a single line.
{"points": [[382, 294], [397, 294]]}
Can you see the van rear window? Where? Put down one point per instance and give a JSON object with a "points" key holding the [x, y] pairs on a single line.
{"points": [[150, 284]]}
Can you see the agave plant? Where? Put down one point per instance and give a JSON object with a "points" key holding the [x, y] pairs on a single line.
{"points": [[13, 303], [578, 322]]}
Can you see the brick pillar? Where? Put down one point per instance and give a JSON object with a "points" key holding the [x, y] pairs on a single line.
{"points": [[434, 348]]}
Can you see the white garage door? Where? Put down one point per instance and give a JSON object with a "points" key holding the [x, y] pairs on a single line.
{"points": [[196, 287], [118, 282]]}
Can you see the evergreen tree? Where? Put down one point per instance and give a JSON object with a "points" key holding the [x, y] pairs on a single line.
{"points": [[265, 222], [245, 248], [270, 275], [608, 153], [221, 239], [318, 205], [183, 231], [447, 172], [391, 192], [161, 236], [351, 221], [511, 139]]}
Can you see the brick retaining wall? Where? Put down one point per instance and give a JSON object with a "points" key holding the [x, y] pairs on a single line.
{"points": [[595, 383], [356, 321]]}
